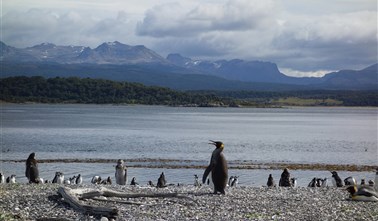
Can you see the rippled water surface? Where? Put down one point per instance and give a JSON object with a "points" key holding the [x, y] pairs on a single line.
{"points": [[294, 135]]}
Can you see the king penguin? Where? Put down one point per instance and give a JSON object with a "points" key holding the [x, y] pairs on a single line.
{"points": [[362, 194], [121, 173], [31, 171], [218, 168]]}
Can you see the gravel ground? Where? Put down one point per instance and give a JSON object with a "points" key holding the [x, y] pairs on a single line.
{"points": [[42, 202]]}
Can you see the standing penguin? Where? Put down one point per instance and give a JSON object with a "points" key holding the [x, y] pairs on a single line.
{"points": [[161, 181], [218, 168], [270, 182], [312, 183], [235, 181], [336, 179], [79, 179], [11, 179], [31, 171], [285, 178], [133, 182], [121, 173], [196, 182], [2, 178]]}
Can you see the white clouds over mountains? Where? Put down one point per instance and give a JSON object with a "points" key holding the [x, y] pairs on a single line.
{"points": [[299, 35]]}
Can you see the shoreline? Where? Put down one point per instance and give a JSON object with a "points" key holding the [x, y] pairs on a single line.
{"points": [[2, 102], [42, 202], [192, 164]]}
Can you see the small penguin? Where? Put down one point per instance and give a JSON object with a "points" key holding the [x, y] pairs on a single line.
{"points": [[363, 182], [55, 179], [108, 181], [270, 182], [230, 180], [161, 181], [350, 181], [218, 168], [121, 173], [133, 182], [2, 178], [285, 178], [362, 194], [96, 180], [312, 183], [196, 181], [324, 182], [11, 179], [31, 171], [371, 183], [40, 180], [58, 178], [336, 179], [293, 182], [150, 183], [72, 180], [61, 178], [235, 181], [79, 179]]}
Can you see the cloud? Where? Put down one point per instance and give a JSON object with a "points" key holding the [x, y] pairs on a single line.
{"points": [[265, 30], [175, 20], [329, 41], [304, 37], [68, 28]]}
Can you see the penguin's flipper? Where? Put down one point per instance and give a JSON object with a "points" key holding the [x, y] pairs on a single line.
{"points": [[206, 173]]}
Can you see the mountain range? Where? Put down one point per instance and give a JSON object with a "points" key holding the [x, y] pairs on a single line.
{"points": [[117, 61]]}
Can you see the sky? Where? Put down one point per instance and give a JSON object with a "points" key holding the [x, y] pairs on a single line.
{"points": [[303, 37]]}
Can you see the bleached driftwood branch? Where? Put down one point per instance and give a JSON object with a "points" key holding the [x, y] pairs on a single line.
{"points": [[74, 202], [73, 197], [111, 193]]}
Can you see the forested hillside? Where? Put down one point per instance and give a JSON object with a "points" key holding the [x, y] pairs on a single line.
{"points": [[86, 90], [99, 91]]}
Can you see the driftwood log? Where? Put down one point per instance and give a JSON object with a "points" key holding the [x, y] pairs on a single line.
{"points": [[74, 202], [73, 197]]}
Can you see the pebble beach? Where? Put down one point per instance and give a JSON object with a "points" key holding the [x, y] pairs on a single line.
{"points": [[42, 202]]}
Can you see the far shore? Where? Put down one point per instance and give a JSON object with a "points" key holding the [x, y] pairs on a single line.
{"points": [[192, 164]]}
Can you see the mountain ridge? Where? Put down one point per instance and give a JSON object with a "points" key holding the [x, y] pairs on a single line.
{"points": [[146, 66]]}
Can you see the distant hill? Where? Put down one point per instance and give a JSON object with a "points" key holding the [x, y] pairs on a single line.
{"points": [[121, 62], [356, 80]]}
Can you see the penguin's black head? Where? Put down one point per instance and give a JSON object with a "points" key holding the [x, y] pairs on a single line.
{"points": [[218, 144], [32, 155], [334, 173]]}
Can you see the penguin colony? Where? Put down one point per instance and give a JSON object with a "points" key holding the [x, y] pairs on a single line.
{"points": [[217, 171]]}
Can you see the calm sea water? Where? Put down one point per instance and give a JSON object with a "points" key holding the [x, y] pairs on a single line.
{"points": [[293, 135]]}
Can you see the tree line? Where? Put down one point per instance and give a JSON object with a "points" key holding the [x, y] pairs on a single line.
{"points": [[99, 91]]}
